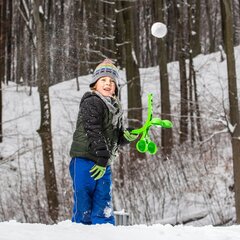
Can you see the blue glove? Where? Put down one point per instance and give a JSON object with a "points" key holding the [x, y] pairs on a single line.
{"points": [[97, 172], [129, 136]]}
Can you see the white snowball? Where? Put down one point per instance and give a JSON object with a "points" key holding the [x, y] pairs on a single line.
{"points": [[159, 29]]}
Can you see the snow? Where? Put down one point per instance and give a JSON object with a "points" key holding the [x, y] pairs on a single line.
{"points": [[67, 230], [159, 29], [41, 9], [22, 119]]}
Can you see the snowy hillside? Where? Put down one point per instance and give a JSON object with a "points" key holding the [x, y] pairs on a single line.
{"points": [[198, 179]]}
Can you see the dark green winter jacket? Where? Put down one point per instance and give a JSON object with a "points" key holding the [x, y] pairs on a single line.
{"points": [[99, 129]]}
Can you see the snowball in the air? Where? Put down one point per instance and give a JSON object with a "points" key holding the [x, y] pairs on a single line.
{"points": [[159, 29]]}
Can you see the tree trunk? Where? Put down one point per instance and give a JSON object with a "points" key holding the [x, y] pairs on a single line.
{"points": [[235, 14], [45, 126], [191, 18], [132, 73], [74, 31], [2, 56], [210, 27], [9, 42], [227, 24], [119, 35], [19, 51], [172, 31], [197, 108], [196, 26], [1, 113], [59, 73], [82, 41], [181, 48], [193, 98], [167, 138]]}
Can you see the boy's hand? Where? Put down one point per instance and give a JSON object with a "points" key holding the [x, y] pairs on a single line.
{"points": [[97, 172], [130, 136]]}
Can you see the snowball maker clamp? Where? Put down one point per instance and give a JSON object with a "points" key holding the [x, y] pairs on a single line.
{"points": [[145, 144]]}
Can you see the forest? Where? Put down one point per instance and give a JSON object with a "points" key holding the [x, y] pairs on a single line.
{"points": [[45, 44]]}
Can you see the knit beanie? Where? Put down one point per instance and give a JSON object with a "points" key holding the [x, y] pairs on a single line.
{"points": [[106, 69]]}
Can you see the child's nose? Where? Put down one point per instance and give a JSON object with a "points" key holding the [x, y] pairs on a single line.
{"points": [[108, 82]]}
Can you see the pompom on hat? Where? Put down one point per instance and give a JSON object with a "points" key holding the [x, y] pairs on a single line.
{"points": [[105, 69]]}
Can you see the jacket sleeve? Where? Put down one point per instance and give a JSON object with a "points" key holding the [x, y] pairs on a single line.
{"points": [[122, 140], [92, 111]]}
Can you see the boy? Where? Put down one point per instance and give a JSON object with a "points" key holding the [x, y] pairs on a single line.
{"points": [[98, 134]]}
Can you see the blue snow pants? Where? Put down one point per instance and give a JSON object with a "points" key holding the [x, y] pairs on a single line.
{"points": [[92, 199]]}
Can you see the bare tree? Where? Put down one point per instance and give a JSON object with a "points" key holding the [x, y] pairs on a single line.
{"points": [[172, 31], [3, 7], [75, 31], [132, 71], [236, 21], [210, 25], [227, 23], [43, 87], [167, 137], [193, 49], [58, 37], [9, 41], [181, 50], [195, 8], [119, 35]]}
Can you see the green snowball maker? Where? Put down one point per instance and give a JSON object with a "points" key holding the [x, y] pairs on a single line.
{"points": [[145, 144]]}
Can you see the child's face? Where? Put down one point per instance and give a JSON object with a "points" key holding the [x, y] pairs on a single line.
{"points": [[105, 86]]}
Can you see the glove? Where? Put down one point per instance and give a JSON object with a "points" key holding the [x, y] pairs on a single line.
{"points": [[130, 136], [97, 172]]}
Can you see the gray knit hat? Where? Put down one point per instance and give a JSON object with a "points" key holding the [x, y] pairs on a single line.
{"points": [[106, 69]]}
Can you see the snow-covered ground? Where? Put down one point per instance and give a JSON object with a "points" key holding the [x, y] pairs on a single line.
{"points": [[67, 230]]}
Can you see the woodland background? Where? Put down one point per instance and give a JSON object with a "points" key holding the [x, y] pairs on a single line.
{"points": [[44, 43]]}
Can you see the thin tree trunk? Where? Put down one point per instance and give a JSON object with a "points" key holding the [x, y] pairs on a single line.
{"points": [[193, 99], [75, 28], [196, 26], [190, 51], [227, 24], [1, 113], [119, 35], [210, 27], [132, 71], [59, 73], [9, 42], [19, 50], [172, 31], [45, 126], [183, 77], [191, 105], [133, 75], [167, 138], [2, 56], [199, 125]]}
